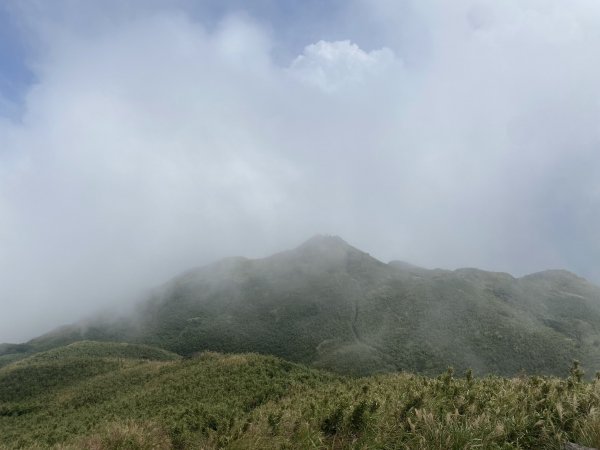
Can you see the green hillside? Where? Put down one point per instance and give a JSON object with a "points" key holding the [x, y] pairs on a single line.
{"points": [[117, 396], [332, 306]]}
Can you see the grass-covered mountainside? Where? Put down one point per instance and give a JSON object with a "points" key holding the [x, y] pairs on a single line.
{"points": [[117, 396], [329, 305]]}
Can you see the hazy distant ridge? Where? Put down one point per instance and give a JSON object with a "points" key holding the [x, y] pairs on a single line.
{"points": [[330, 305]]}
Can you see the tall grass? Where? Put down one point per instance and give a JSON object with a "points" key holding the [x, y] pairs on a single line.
{"points": [[251, 401]]}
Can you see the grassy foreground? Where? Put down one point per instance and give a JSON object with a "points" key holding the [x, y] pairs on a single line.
{"points": [[119, 396]]}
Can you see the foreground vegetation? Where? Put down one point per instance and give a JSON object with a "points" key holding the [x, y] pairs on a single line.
{"points": [[119, 396]]}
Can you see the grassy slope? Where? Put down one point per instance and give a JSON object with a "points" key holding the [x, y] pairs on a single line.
{"points": [[116, 396], [62, 397], [332, 306]]}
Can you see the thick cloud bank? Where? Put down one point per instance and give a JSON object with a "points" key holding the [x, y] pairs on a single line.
{"points": [[442, 133]]}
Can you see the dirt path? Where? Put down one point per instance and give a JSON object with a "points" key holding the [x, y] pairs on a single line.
{"points": [[358, 293]]}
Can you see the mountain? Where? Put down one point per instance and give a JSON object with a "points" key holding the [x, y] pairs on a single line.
{"points": [[332, 306]]}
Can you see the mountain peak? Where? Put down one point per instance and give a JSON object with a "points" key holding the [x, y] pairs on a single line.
{"points": [[325, 242], [331, 250]]}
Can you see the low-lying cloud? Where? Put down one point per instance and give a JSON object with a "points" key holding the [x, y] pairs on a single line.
{"points": [[465, 133]]}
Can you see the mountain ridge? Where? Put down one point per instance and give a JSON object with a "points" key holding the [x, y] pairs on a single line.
{"points": [[330, 305]]}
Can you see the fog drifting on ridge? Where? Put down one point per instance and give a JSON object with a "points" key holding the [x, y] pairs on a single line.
{"points": [[156, 138]]}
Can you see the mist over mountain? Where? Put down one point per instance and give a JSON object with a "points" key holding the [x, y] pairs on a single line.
{"points": [[141, 138], [333, 306]]}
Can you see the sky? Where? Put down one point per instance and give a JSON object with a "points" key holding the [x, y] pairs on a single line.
{"points": [[139, 139]]}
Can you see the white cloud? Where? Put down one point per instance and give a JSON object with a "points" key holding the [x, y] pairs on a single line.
{"points": [[342, 64], [139, 155]]}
